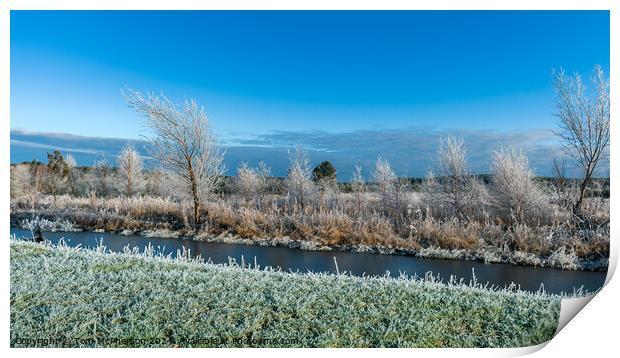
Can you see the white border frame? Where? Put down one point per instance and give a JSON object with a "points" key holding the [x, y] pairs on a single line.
{"points": [[592, 332]]}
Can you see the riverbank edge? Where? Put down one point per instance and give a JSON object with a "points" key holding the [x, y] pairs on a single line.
{"points": [[533, 315], [516, 258]]}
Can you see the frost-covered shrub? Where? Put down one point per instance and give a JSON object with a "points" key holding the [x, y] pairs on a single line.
{"points": [[160, 233], [21, 180], [130, 171], [515, 193], [566, 260], [252, 183], [393, 191], [102, 179], [358, 188], [453, 191], [299, 184], [48, 225]]}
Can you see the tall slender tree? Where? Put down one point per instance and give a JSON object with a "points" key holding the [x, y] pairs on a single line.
{"points": [[298, 181], [584, 123], [130, 171], [183, 142]]}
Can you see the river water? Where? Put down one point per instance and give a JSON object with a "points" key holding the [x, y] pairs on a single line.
{"points": [[527, 278]]}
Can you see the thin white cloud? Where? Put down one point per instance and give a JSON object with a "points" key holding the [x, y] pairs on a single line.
{"points": [[411, 151], [53, 147]]}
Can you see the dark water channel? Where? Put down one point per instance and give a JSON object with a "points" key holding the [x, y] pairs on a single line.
{"points": [[528, 278]]}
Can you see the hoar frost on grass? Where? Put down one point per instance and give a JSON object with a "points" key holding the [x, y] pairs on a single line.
{"points": [[161, 233], [564, 259], [66, 293], [48, 225]]}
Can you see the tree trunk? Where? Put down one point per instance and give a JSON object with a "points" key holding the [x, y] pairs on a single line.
{"points": [[195, 198], [582, 190], [196, 213]]}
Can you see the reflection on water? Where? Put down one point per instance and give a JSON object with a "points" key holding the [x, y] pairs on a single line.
{"points": [[528, 278]]}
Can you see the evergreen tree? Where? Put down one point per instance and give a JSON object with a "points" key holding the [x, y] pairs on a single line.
{"points": [[57, 165], [324, 172]]}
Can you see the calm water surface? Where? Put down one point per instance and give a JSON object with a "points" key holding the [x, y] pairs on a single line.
{"points": [[528, 278]]}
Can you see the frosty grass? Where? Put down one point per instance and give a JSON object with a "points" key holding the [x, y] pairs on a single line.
{"points": [[63, 296]]}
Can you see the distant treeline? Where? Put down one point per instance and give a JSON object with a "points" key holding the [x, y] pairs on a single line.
{"points": [[600, 187]]}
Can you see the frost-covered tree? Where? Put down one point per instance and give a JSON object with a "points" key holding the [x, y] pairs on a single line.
{"points": [[130, 171], [454, 189], [21, 180], [264, 172], [56, 174], [358, 187], [153, 183], [565, 190], [392, 190], [38, 174], [383, 176], [183, 142], [174, 186], [70, 161], [515, 192], [252, 183], [324, 178], [164, 184], [101, 179], [584, 123], [28, 181], [76, 185], [298, 181], [247, 182]]}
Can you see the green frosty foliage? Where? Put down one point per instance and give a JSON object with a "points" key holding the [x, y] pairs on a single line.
{"points": [[64, 296]]}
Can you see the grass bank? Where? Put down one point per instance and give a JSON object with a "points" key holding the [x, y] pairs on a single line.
{"points": [[73, 297]]}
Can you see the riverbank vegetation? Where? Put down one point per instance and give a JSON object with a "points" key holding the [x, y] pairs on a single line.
{"points": [[235, 220], [508, 215], [63, 296], [387, 216]]}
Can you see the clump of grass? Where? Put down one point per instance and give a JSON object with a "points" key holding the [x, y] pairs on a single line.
{"points": [[563, 259], [48, 225], [449, 234], [133, 299]]}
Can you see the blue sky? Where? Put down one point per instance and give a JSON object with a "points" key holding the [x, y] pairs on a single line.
{"points": [[265, 75]]}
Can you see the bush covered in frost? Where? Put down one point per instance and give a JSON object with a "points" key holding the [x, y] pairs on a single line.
{"points": [[48, 225]]}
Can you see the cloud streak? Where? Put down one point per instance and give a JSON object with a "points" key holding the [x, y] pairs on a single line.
{"points": [[411, 151]]}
